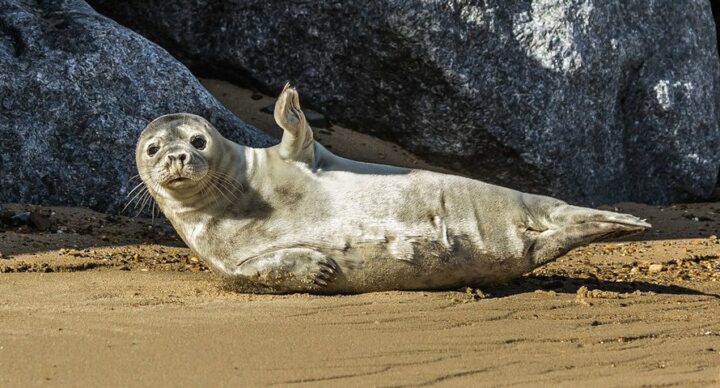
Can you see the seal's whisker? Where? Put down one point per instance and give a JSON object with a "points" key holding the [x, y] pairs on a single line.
{"points": [[141, 184], [226, 188], [224, 185], [203, 193], [135, 198], [141, 199], [231, 187], [229, 192], [217, 177], [213, 195], [212, 190], [232, 180], [219, 189], [233, 183], [144, 203], [206, 192], [143, 190]]}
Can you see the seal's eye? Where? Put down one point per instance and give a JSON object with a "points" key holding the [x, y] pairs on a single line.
{"points": [[152, 150], [198, 142]]}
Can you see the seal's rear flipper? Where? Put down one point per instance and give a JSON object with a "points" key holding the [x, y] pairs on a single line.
{"points": [[572, 226]]}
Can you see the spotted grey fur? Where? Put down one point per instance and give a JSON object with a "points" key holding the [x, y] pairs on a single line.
{"points": [[295, 217]]}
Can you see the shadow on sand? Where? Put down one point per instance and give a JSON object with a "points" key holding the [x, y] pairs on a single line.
{"points": [[570, 285]]}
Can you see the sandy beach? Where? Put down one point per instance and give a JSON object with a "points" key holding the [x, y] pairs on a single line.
{"points": [[90, 299]]}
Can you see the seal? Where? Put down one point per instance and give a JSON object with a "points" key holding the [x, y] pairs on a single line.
{"points": [[296, 218]]}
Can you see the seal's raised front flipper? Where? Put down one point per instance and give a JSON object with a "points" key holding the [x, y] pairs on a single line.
{"points": [[297, 140], [571, 226]]}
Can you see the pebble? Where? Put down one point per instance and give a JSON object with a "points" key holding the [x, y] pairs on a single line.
{"points": [[655, 268], [475, 295], [603, 294], [550, 293], [21, 218], [582, 292]]}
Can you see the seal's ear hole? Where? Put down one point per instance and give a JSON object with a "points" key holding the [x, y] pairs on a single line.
{"points": [[198, 142], [152, 150]]}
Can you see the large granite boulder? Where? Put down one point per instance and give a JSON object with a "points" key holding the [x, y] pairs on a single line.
{"points": [[592, 100], [76, 89], [716, 14]]}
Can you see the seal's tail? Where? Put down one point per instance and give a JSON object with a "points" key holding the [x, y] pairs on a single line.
{"points": [[571, 226]]}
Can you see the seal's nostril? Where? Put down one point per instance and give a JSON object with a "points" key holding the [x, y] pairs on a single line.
{"points": [[181, 157]]}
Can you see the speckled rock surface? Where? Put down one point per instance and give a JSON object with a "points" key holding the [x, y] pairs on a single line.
{"points": [[76, 89], [592, 100]]}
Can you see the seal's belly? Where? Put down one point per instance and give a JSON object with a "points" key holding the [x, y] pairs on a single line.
{"points": [[433, 254], [410, 233], [419, 263]]}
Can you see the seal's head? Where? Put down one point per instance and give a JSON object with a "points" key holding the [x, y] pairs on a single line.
{"points": [[174, 153]]}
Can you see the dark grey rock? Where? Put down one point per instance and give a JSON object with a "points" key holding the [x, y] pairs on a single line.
{"points": [[41, 219], [316, 119], [716, 14], [76, 89], [593, 101]]}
